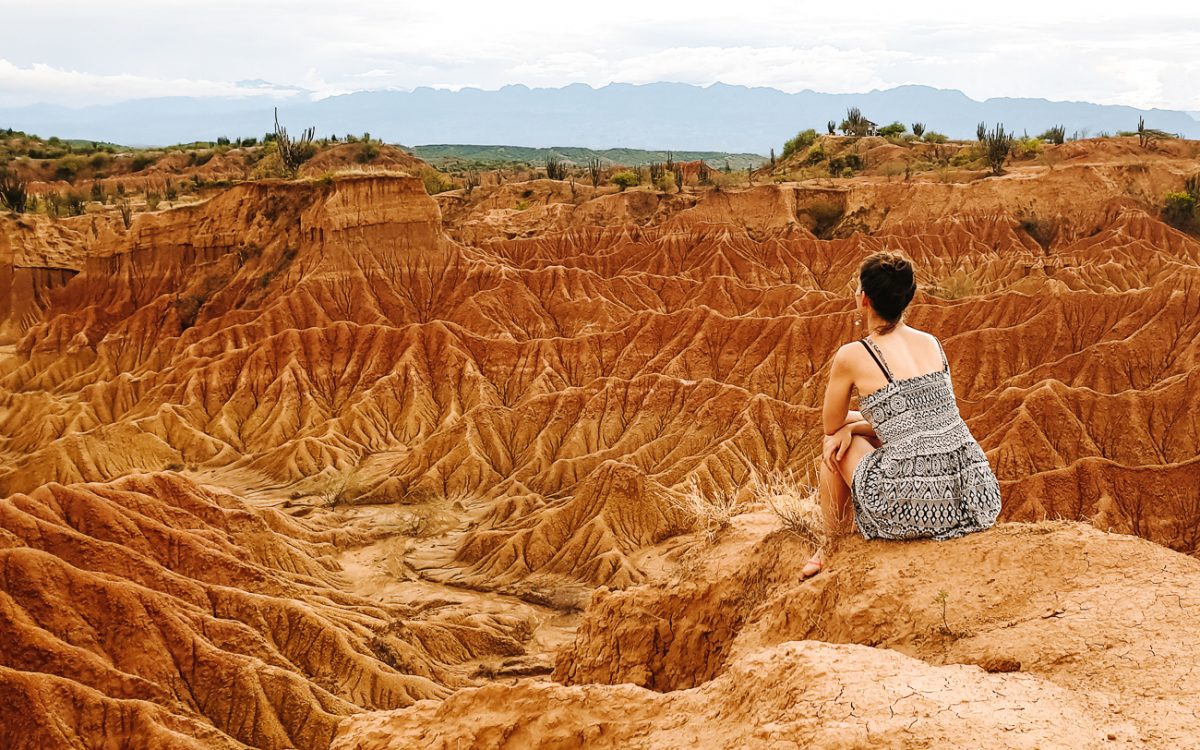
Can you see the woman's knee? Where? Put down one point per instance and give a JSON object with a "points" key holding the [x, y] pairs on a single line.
{"points": [[859, 447]]}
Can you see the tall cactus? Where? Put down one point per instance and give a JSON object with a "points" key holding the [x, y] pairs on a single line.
{"points": [[997, 144], [292, 152]]}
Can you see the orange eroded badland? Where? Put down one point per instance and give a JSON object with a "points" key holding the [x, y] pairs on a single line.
{"points": [[337, 462]]}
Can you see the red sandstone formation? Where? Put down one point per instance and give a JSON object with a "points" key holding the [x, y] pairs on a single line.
{"points": [[462, 395]]}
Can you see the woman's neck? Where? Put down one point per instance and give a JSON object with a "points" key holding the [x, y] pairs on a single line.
{"points": [[875, 324]]}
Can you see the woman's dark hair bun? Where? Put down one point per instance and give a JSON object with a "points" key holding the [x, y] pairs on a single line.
{"points": [[890, 283]]}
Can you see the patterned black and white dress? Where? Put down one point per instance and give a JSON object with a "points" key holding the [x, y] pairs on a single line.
{"points": [[930, 478]]}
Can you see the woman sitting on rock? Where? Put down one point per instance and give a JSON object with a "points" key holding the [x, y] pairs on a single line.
{"points": [[907, 460]]}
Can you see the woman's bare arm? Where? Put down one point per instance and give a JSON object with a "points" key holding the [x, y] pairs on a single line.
{"points": [[861, 427], [836, 409]]}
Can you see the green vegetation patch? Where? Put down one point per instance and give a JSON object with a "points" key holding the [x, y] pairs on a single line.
{"points": [[490, 157]]}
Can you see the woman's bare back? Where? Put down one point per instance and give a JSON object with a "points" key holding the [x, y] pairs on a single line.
{"points": [[908, 352]]}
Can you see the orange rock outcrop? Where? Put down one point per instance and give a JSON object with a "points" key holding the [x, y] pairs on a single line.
{"points": [[1050, 635], [203, 416]]}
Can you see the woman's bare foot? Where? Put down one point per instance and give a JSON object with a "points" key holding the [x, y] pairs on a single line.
{"points": [[813, 566]]}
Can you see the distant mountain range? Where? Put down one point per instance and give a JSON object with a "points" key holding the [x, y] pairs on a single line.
{"points": [[653, 116]]}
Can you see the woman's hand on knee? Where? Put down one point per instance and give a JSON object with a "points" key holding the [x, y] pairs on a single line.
{"points": [[834, 447]]}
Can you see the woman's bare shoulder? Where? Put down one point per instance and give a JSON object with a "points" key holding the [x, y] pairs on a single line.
{"points": [[850, 354], [850, 349]]}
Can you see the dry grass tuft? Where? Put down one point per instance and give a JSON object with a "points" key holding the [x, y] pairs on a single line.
{"points": [[709, 510], [335, 487], [794, 500]]}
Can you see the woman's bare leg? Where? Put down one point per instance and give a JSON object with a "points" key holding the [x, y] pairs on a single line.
{"points": [[836, 507], [835, 500]]}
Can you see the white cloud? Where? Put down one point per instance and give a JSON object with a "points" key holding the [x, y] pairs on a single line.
{"points": [[1072, 49], [40, 83]]}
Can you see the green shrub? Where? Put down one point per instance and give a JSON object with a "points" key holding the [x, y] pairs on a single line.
{"points": [[76, 203], [844, 166], [141, 161], [896, 128], [1179, 210], [625, 178], [816, 155], [801, 141], [1029, 146], [367, 153], [54, 203], [68, 167], [967, 157], [435, 182], [934, 137]]}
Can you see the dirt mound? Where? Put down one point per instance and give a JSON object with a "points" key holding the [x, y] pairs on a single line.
{"points": [[1034, 635], [804, 694]]}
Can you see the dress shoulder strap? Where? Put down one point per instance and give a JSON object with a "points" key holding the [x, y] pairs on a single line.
{"points": [[876, 355], [945, 362]]}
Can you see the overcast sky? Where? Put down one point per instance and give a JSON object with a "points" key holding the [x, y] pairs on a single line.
{"points": [[1140, 54]]}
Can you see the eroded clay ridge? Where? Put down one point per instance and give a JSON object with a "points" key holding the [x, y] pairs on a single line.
{"points": [[151, 609], [294, 328], [546, 376]]}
